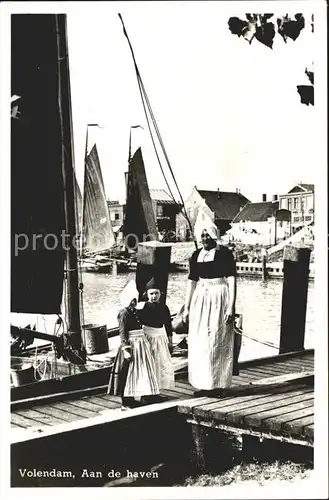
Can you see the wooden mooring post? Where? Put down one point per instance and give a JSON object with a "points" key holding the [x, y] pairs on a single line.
{"points": [[264, 261], [153, 261], [296, 263]]}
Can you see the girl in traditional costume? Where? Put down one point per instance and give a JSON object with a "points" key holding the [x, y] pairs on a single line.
{"points": [[156, 320], [210, 308], [133, 374]]}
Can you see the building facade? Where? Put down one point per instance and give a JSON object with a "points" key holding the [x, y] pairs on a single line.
{"points": [[221, 206], [116, 212], [165, 212], [261, 223], [300, 201]]}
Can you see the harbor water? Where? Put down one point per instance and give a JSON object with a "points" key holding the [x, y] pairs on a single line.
{"points": [[258, 302]]}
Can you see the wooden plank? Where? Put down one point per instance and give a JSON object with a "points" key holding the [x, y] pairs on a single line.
{"points": [[110, 397], [79, 412], [307, 354], [235, 413], [23, 421], [279, 421], [285, 378], [246, 402], [51, 410], [170, 394], [17, 426], [293, 364], [103, 402], [256, 419], [256, 414], [267, 370], [309, 430], [93, 408], [242, 393], [60, 396], [180, 392], [303, 417], [246, 374], [183, 384], [90, 404], [239, 381], [41, 418], [258, 433]]}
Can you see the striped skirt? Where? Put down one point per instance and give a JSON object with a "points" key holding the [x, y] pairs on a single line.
{"points": [[135, 377], [164, 367], [210, 339]]}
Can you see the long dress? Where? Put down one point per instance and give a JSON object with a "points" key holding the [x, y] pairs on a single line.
{"points": [[157, 327], [210, 339], [135, 377]]}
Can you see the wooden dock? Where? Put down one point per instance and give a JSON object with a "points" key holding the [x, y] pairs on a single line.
{"points": [[253, 407]]}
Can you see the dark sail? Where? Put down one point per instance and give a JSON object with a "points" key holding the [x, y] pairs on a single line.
{"points": [[97, 227], [79, 205], [140, 224], [37, 195]]}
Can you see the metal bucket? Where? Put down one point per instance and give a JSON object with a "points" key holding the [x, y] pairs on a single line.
{"points": [[22, 373], [95, 339]]}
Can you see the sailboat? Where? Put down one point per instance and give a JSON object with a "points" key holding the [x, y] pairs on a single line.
{"points": [[98, 240]]}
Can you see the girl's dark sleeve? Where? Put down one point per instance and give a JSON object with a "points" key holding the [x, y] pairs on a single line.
{"points": [[193, 274], [123, 327], [167, 322]]}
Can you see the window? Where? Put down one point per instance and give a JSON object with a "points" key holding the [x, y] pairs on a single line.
{"points": [[295, 203], [159, 210], [284, 203], [117, 216], [112, 216], [289, 204], [302, 204], [191, 211]]}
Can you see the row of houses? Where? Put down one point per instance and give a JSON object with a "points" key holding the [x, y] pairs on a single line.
{"points": [[265, 222]]}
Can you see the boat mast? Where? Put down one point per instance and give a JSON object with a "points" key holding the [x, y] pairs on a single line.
{"points": [[73, 335]]}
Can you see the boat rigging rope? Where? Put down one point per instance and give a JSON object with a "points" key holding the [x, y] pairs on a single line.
{"points": [[146, 99], [268, 344]]}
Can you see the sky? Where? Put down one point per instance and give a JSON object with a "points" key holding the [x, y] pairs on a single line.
{"points": [[229, 113]]}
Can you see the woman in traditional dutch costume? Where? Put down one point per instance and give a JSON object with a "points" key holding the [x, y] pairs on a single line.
{"points": [[210, 308], [133, 374], [156, 320]]}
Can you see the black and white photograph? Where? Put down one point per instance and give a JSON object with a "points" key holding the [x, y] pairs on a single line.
{"points": [[163, 260]]}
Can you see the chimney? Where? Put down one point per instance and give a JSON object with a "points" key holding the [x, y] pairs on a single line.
{"points": [[275, 197], [237, 191], [218, 194], [264, 197]]}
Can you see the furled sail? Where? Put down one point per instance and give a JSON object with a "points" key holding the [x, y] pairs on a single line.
{"points": [[140, 224], [97, 228], [37, 194]]}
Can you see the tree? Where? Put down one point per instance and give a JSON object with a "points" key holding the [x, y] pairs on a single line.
{"points": [[264, 28]]}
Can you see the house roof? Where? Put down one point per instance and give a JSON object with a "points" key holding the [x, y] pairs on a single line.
{"points": [[257, 212], [307, 187], [302, 187], [112, 203], [225, 205], [161, 196]]}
